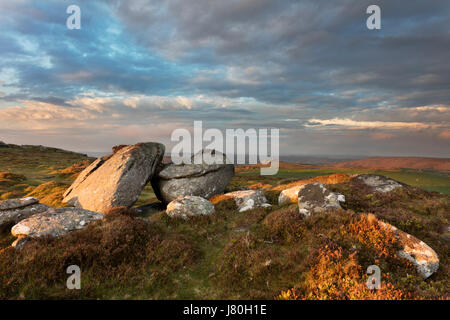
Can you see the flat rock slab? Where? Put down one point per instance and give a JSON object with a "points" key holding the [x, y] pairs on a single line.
{"points": [[17, 203], [203, 180], [115, 181], [416, 251], [314, 197], [249, 199], [13, 216], [55, 222], [189, 206], [378, 183]]}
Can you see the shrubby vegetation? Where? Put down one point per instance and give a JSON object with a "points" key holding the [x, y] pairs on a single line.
{"points": [[264, 253]]}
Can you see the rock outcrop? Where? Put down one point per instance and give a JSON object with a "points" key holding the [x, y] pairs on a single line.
{"points": [[249, 199], [378, 183], [416, 251], [289, 192], [314, 197], [117, 180], [189, 206], [203, 180], [14, 210], [289, 195], [54, 223]]}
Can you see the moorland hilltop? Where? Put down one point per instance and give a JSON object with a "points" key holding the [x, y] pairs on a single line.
{"points": [[142, 228]]}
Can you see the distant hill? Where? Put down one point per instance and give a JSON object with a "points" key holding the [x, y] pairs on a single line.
{"points": [[281, 165], [390, 163]]}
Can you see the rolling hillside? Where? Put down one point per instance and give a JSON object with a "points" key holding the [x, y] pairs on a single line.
{"points": [[391, 163]]}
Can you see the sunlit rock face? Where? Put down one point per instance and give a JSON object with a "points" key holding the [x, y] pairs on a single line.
{"points": [[14, 210], [416, 251], [378, 183], [189, 206], [115, 181], [314, 197], [203, 179]]}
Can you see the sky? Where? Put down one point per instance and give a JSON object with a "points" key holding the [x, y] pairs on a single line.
{"points": [[139, 69]]}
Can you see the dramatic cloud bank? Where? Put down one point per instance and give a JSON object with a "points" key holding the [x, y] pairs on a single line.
{"points": [[137, 69]]}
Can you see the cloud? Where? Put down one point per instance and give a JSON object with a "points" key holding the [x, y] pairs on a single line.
{"points": [[353, 124], [307, 67]]}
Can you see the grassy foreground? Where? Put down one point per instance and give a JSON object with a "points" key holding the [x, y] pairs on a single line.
{"points": [[270, 253]]}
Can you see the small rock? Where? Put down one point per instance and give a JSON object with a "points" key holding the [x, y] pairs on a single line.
{"points": [[54, 222], [314, 197], [189, 206], [416, 251], [249, 199], [378, 183]]}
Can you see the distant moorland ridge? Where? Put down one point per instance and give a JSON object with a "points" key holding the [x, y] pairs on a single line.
{"points": [[388, 163]]}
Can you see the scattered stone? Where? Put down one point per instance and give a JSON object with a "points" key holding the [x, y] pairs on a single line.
{"points": [[249, 199], [416, 251], [378, 183], [189, 206], [203, 180], [14, 210], [54, 223], [314, 197], [115, 181]]}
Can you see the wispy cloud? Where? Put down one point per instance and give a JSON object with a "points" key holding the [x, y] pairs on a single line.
{"points": [[354, 124]]}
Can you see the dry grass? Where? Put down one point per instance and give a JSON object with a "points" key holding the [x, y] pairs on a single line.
{"points": [[50, 193]]}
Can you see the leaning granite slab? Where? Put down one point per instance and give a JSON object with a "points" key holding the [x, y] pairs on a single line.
{"points": [[422, 256], [14, 210], [117, 180], [249, 199], [55, 223], [202, 179], [189, 206], [314, 198], [378, 183]]}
